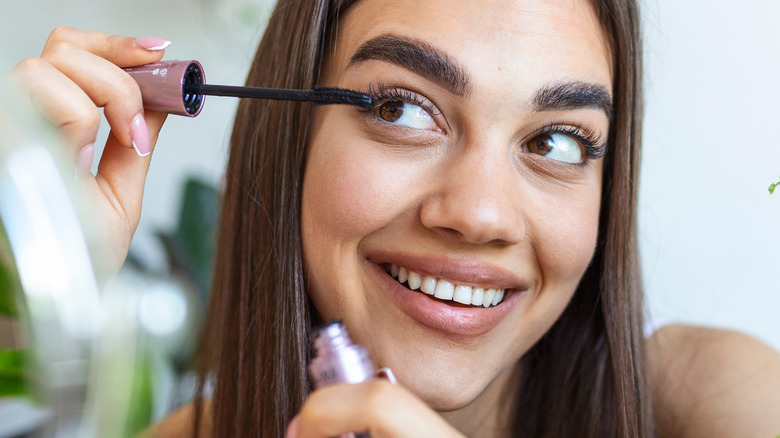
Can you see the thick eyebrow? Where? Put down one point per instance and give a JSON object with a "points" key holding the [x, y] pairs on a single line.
{"points": [[573, 95], [417, 56]]}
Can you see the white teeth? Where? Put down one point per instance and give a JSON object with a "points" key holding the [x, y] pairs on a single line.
{"points": [[488, 300], [477, 296], [414, 280], [445, 290], [403, 275], [498, 297], [428, 285], [462, 294]]}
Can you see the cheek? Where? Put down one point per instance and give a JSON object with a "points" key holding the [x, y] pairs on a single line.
{"points": [[343, 195], [347, 195], [570, 230]]}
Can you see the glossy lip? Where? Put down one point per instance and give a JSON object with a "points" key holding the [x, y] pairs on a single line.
{"points": [[452, 320]]}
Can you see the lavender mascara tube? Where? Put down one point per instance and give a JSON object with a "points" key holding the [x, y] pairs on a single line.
{"points": [[164, 86], [338, 360]]}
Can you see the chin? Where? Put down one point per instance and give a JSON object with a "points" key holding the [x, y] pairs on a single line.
{"points": [[449, 382], [448, 399]]}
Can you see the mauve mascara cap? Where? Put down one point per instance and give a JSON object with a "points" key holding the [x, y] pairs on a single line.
{"points": [[163, 86], [337, 359]]}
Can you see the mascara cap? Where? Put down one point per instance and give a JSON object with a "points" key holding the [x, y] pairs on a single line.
{"points": [[163, 86], [337, 359]]}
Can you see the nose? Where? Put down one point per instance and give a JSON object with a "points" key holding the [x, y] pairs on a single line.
{"points": [[476, 197]]}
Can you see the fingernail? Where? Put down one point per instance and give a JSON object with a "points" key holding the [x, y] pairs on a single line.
{"points": [[139, 135], [292, 429], [152, 43], [387, 374], [84, 161]]}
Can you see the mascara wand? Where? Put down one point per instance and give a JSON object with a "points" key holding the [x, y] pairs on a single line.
{"points": [[178, 87], [320, 95]]}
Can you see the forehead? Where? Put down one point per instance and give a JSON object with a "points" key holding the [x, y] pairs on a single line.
{"points": [[497, 42]]}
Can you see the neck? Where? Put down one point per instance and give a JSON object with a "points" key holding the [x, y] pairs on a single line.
{"points": [[487, 416]]}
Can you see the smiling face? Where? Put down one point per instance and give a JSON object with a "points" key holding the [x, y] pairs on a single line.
{"points": [[476, 177]]}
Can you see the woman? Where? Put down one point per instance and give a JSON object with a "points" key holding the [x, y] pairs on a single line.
{"points": [[502, 155]]}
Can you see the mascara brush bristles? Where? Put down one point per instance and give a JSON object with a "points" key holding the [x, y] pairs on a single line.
{"points": [[327, 95], [318, 95]]}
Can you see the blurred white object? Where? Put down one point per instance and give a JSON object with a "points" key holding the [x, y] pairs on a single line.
{"points": [[91, 348], [52, 259]]}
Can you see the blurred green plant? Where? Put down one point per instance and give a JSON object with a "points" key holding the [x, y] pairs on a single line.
{"points": [[772, 188], [13, 369], [13, 362], [190, 252], [139, 418], [189, 249], [9, 281]]}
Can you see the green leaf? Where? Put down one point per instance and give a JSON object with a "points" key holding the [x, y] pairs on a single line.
{"points": [[142, 397], [12, 363], [772, 188], [9, 282], [7, 293], [13, 373], [191, 247]]}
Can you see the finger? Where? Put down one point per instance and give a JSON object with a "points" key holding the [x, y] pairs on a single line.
{"points": [[61, 101], [121, 173], [120, 50], [376, 407], [84, 161], [109, 87]]}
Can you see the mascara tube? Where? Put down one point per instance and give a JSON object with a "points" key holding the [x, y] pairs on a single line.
{"points": [[164, 86], [338, 360]]}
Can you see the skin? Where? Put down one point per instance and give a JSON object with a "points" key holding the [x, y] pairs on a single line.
{"points": [[399, 197], [711, 382]]}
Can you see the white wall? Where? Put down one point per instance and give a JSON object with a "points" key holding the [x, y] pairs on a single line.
{"points": [[709, 230]]}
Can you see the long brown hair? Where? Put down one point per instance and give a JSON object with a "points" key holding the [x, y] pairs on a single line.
{"points": [[586, 377]]}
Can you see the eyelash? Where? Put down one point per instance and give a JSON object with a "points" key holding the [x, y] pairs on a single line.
{"points": [[595, 147], [382, 93]]}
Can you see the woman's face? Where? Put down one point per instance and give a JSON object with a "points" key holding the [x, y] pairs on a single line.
{"points": [[479, 171]]}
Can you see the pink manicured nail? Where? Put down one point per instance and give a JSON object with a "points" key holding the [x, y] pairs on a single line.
{"points": [[152, 43], [84, 161], [139, 134], [292, 429], [387, 374]]}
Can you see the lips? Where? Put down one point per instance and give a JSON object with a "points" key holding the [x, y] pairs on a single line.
{"points": [[443, 313]]}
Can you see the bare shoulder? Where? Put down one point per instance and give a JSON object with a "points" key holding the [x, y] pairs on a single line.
{"points": [[180, 424], [714, 383]]}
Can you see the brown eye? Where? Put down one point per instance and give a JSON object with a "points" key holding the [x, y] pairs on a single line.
{"points": [[556, 146], [541, 144], [391, 111]]}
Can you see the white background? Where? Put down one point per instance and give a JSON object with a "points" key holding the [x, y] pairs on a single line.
{"points": [[709, 230]]}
